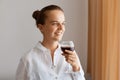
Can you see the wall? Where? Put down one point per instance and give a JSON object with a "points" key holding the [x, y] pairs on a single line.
{"points": [[18, 32]]}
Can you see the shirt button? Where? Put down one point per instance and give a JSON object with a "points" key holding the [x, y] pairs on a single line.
{"points": [[56, 78], [53, 67]]}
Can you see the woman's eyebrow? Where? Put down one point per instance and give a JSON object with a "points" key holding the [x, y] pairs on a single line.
{"points": [[53, 21], [57, 21]]}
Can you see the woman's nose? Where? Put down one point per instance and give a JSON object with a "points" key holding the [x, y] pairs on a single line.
{"points": [[61, 26]]}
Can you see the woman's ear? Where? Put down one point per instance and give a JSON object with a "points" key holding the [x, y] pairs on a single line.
{"points": [[40, 26]]}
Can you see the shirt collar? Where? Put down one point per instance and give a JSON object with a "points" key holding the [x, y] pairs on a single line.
{"points": [[41, 47]]}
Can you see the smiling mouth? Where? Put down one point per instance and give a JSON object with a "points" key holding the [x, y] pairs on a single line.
{"points": [[59, 33]]}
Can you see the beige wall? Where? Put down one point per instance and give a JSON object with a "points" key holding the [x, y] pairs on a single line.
{"points": [[18, 32]]}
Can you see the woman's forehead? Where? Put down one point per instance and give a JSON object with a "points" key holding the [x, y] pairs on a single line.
{"points": [[55, 15]]}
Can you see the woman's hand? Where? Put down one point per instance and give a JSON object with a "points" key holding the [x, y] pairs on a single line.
{"points": [[72, 58]]}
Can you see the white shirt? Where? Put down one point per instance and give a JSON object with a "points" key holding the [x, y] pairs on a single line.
{"points": [[38, 65]]}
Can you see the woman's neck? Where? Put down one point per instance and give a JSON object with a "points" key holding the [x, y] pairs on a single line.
{"points": [[50, 44]]}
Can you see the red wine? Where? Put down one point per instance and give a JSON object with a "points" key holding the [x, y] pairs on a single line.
{"points": [[67, 48]]}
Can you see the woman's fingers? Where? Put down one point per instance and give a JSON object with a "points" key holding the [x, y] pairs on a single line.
{"points": [[70, 56]]}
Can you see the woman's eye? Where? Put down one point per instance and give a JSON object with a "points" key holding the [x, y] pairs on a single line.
{"points": [[58, 24], [55, 24]]}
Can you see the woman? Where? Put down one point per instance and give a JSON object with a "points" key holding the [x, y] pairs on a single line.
{"points": [[46, 61]]}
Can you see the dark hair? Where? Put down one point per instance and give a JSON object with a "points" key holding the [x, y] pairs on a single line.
{"points": [[41, 15]]}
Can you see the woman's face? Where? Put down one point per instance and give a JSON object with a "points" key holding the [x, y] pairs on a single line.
{"points": [[54, 26]]}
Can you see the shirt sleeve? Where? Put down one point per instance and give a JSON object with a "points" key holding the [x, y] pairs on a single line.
{"points": [[21, 73], [79, 75]]}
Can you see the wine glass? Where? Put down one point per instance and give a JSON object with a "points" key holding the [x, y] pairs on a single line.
{"points": [[67, 45]]}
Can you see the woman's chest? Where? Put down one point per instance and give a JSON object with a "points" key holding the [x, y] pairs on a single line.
{"points": [[44, 69]]}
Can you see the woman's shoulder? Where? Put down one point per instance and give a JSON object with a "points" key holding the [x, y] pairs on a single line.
{"points": [[31, 53], [38, 49], [27, 56]]}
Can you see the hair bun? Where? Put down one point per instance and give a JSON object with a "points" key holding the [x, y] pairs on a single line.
{"points": [[36, 14]]}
